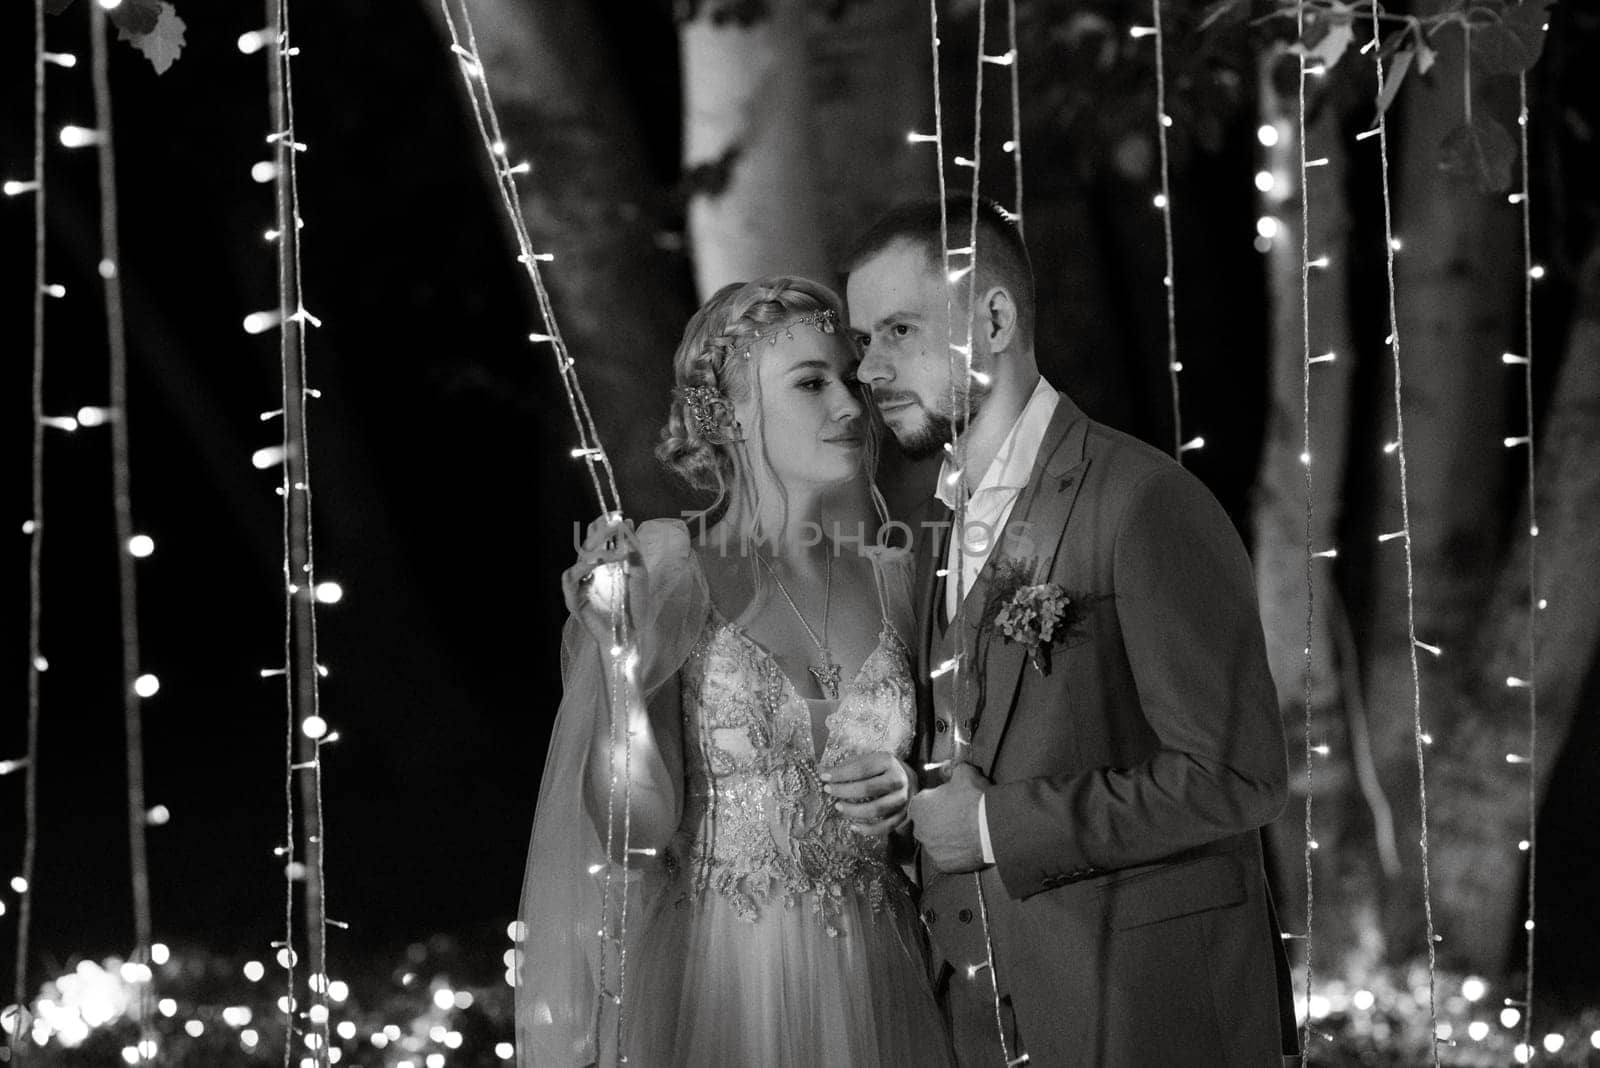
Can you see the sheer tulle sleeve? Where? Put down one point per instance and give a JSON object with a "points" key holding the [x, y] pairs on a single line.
{"points": [[562, 958]]}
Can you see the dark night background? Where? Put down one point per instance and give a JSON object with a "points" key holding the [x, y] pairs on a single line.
{"points": [[444, 496]]}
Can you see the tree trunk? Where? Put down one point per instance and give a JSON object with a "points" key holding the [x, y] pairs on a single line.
{"points": [[621, 298], [1456, 290], [1345, 875], [1480, 874], [754, 198]]}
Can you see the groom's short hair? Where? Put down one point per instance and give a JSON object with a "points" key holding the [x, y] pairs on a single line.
{"points": [[1002, 256]]}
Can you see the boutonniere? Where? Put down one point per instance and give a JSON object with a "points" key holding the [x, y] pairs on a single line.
{"points": [[1033, 615]]}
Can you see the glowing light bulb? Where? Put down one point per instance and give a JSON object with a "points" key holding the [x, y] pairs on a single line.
{"points": [[1159, 200], [262, 321], [1265, 181], [1553, 1042], [444, 998], [1267, 227], [263, 172], [1363, 1000], [167, 1007], [313, 727], [1267, 135], [159, 953], [254, 970], [505, 1050], [93, 416], [194, 1028], [141, 545], [146, 685], [19, 884], [1478, 1030], [346, 1030], [329, 592], [13, 187], [338, 990], [110, 5], [79, 136], [318, 1014], [1509, 1018], [287, 958], [253, 42]]}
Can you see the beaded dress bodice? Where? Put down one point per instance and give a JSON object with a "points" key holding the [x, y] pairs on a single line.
{"points": [[757, 827]]}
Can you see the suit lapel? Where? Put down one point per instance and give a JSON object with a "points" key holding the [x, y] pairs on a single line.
{"points": [[931, 550], [1046, 505]]}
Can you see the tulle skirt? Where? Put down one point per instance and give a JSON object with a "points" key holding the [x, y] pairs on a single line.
{"points": [[711, 988]]}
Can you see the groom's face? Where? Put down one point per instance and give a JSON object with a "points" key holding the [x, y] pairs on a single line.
{"points": [[898, 303]]}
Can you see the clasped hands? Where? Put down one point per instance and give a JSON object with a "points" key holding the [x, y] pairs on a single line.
{"points": [[876, 793]]}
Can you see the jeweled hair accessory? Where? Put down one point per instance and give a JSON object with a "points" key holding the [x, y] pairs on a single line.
{"points": [[710, 410], [826, 321]]}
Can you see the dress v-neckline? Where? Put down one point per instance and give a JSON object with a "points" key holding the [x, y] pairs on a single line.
{"points": [[845, 693]]}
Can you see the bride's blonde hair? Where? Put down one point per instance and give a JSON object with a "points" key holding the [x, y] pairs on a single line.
{"points": [[702, 442]]}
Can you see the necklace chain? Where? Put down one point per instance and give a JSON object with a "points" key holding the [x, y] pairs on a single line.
{"points": [[827, 675]]}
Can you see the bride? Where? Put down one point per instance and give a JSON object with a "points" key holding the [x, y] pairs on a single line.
{"points": [[735, 742]]}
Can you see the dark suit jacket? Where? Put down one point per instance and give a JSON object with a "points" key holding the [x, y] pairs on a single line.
{"points": [[1128, 903]]}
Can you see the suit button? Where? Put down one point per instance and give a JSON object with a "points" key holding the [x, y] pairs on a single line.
{"points": [[941, 726], [930, 917], [965, 915]]}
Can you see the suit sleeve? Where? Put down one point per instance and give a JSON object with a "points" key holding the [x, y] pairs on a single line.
{"points": [[1191, 630]]}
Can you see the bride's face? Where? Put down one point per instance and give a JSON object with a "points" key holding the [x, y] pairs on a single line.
{"points": [[812, 419]]}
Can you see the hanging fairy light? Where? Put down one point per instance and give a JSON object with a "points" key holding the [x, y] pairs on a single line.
{"points": [[34, 528], [1392, 341], [610, 989], [1524, 360], [306, 731], [1163, 202]]}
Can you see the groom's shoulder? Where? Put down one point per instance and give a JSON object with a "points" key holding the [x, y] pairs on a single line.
{"points": [[1122, 460]]}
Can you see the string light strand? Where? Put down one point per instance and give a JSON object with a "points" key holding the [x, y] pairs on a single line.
{"points": [[18, 1038], [1306, 361], [121, 478], [1533, 561], [1169, 282], [1418, 734], [1016, 112], [302, 668]]}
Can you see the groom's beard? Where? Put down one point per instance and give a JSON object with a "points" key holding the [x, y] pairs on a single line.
{"points": [[930, 435]]}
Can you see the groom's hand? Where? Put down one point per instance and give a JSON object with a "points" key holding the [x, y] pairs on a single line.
{"points": [[945, 821], [870, 791]]}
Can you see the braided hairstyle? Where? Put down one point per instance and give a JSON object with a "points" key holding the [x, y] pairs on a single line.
{"points": [[711, 354]]}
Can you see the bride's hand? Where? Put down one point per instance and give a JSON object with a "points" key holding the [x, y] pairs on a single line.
{"points": [[609, 544], [871, 791]]}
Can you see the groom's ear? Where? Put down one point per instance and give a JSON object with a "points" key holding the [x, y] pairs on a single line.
{"points": [[1000, 318]]}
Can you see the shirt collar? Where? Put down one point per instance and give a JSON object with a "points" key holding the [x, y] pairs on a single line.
{"points": [[1013, 462]]}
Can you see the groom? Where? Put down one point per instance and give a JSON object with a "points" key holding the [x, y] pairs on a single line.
{"points": [[1104, 765]]}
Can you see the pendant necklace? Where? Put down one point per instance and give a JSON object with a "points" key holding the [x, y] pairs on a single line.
{"points": [[827, 675]]}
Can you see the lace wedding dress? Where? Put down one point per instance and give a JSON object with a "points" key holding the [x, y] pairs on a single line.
{"points": [[771, 934]]}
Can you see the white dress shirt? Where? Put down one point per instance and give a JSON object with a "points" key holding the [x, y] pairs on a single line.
{"points": [[988, 508]]}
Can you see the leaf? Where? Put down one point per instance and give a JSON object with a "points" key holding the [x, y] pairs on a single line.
{"points": [[1216, 11], [1482, 153], [134, 17], [1333, 44], [1394, 76], [164, 43], [1513, 44]]}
